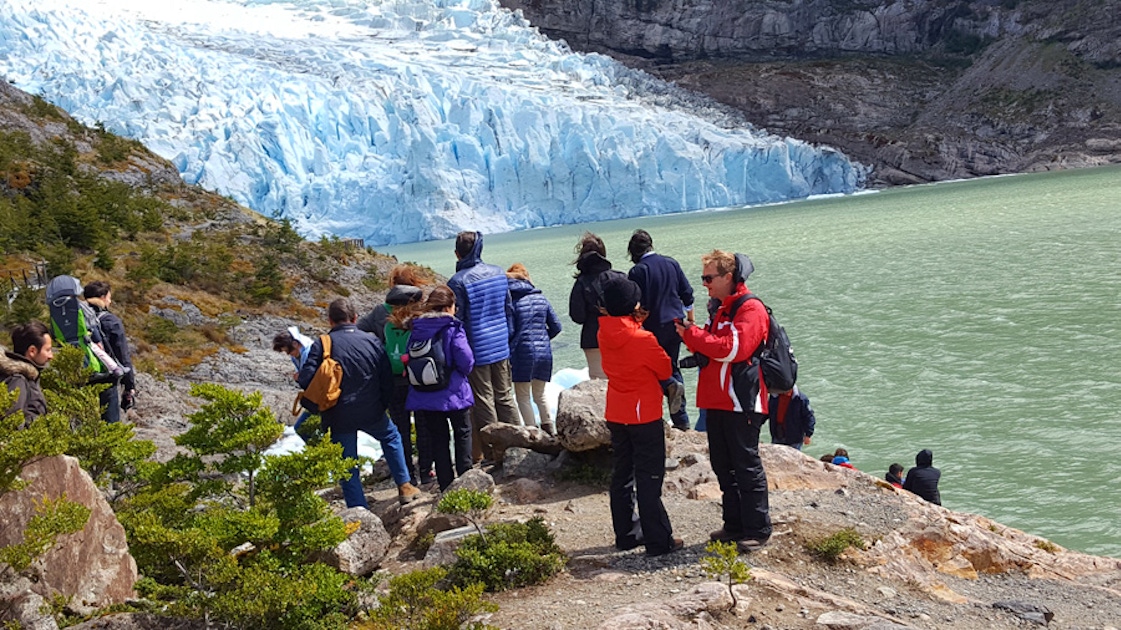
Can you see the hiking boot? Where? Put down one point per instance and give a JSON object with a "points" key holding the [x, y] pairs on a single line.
{"points": [[675, 545], [548, 428], [747, 545], [407, 493], [723, 536]]}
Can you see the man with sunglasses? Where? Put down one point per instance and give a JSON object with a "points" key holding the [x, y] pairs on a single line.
{"points": [[732, 335]]}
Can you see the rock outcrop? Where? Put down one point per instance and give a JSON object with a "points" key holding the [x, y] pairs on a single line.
{"points": [[91, 567], [364, 548], [580, 422], [921, 91]]}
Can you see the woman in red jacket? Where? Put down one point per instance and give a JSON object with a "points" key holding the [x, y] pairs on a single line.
{"points": [[634, 364]]}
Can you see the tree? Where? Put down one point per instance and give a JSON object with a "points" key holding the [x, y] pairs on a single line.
{"points": [[724, 564]]}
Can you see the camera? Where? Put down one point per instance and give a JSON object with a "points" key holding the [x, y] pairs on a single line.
{"points": [[693, 361]]}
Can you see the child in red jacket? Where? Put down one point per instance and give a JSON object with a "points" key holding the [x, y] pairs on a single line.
{"points": [[635, 364]]}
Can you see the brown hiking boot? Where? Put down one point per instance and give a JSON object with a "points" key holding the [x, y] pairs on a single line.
{"points": [[407, 493], [723, 536]]}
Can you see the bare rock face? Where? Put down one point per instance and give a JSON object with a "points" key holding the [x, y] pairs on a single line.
{"points": [[580, 422], [365, 548], [92, 567], [691, 610], [20, 604], [473, 479]]}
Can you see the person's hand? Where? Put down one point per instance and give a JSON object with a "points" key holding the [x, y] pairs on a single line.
{"points": [[680, 327], [806, 441], [128, 400]]}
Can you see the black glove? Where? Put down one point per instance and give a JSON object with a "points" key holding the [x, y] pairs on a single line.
{"points": [[128, 400]]}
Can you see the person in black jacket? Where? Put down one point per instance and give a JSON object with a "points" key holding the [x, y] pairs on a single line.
{"points": [[923, 478], [366, 389], [99, 295], [666, 296], [592, 268]]}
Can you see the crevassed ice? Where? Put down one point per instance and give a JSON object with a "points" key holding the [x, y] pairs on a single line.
{"points": [[396, 121]]}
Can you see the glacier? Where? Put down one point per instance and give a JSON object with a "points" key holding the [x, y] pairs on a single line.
{"points": [[396, 121]]}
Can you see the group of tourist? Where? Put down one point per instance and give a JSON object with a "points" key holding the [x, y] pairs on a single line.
{"points": [[33, 346]]}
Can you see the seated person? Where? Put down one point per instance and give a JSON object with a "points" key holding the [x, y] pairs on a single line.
{"points": [[893, 477], [841, 458]]}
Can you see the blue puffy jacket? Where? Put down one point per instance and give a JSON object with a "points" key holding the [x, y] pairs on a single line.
{"points": [[482, 300], [367, 384], [535, 323]]}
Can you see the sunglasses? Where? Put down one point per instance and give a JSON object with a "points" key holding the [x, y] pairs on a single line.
{"points": [[707, 278]]}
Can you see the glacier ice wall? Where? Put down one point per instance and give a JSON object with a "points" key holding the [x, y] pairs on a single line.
{"points": [[396, 121]]}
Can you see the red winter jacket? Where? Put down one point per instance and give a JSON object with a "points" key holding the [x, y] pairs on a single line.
{"points": [[634, 364], [725, 342]]}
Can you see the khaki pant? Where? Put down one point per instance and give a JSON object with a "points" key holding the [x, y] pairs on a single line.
{"points": [[529, 394], [494, 402], [595, 363]]}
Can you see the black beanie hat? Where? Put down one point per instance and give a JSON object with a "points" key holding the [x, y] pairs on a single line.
{"points": [[620, 295]]}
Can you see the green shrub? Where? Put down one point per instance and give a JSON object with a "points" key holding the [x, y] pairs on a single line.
{"points": [[585, 474], [831, 547], [421, 601], [28, 305], [723, 563], [512, 555], [160, 330]]}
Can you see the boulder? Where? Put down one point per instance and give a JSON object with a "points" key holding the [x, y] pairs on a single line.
{"points": [[437, 522], [521, 462], [473, 479], [442, 551], [523, 491], [580, 422], [91, 567], [501, 436], [365, 547], [20, 604]]}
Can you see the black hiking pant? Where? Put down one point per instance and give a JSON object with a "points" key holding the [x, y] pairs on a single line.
{"points": [[640, 466], [733, 447]]}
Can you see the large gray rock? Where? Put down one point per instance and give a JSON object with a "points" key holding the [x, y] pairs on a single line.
{"points": [[92, 567], [473, 479], [365, 548], [580, 422], [442, 551], [520, 462], [20, 604], [691, 610]]}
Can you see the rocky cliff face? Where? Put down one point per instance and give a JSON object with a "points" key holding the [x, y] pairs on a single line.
{"points": [[921, 90]]}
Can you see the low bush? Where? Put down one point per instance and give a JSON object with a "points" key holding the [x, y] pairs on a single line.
{"points": [[512, 555], [831, 547], [422, 600]]}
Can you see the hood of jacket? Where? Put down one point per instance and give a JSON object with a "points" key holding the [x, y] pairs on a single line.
{"points": [[520, 288], [402, 294], [428, 325], [475, 257], [924, 458], [616, 332], [592, 263], [12, 364]]}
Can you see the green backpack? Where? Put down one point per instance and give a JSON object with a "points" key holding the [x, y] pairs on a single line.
{"points": [[396, 344]]}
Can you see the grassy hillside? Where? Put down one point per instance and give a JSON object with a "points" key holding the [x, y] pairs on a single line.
{"points": [[85, 202]]}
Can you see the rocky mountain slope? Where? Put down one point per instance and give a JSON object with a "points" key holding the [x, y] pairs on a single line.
{"points": [[921, 90]]}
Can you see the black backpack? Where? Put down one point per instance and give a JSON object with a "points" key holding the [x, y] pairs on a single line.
{"points": [[427, 367], [774, 355]]}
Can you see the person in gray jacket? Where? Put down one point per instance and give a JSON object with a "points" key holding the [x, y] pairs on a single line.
{"points": [[19, 368]]}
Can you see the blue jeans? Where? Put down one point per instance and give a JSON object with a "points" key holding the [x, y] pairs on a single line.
{"points": [[386, 434]]}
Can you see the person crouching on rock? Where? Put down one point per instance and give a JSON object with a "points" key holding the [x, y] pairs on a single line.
{"points": [[635, 364]]}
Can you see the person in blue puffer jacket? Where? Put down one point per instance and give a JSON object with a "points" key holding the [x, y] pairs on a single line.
{"points": [[531, 359], [483, 304], [436, 410]]}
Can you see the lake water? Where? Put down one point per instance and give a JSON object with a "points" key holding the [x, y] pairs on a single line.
{"points": [[979, 319]]}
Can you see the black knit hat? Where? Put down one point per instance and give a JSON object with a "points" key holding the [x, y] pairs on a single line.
{"points": [[620, 295]]}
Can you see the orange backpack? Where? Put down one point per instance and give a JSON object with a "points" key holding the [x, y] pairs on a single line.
{"points": [[325, 387]]}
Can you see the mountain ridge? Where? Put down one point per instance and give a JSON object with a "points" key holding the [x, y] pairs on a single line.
{"points": [[922, 91]]}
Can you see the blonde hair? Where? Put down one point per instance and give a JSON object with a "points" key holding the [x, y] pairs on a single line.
{"points": [[518, 271], [725, 262]]}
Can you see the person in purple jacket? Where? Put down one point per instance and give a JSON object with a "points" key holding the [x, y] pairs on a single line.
{"points": [[436, 410]]}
